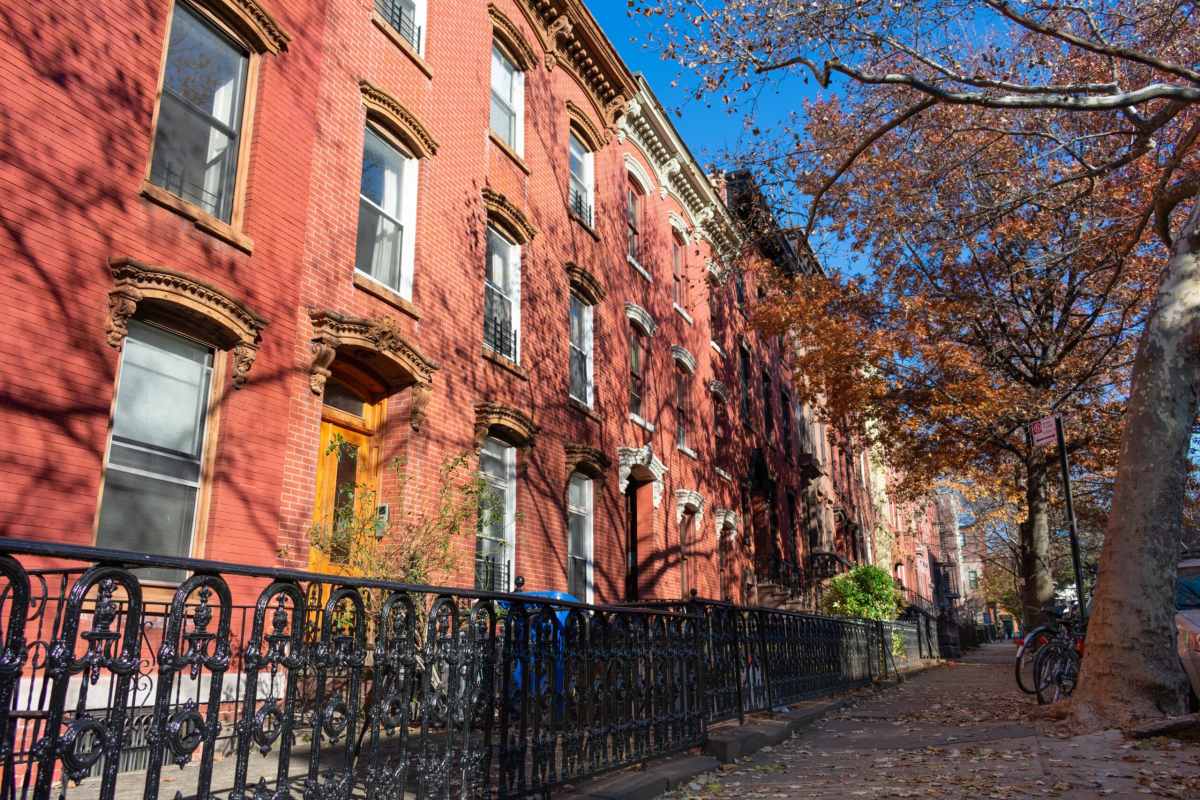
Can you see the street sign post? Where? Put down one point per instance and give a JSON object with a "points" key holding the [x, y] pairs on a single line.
{"points": [[1045, 432]]}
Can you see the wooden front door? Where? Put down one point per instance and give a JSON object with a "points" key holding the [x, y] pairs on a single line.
{"points": [[346, 511]]}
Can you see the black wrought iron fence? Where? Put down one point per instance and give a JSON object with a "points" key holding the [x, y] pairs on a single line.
{"points": [[262, 684]]}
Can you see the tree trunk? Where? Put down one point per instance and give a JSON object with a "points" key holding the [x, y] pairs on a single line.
{"points": [[1130, 669], [1037, 585]]}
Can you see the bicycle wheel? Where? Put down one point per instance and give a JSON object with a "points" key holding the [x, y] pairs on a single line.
{"points": [[1055, 671], [1030, 645]]}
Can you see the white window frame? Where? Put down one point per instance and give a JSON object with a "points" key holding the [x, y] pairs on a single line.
{"points": [[586, 181], [516, 103], [506, 485], [420, 15], [588, 513], [202, 443], [511, 293], [409, 178], [586, 350]]}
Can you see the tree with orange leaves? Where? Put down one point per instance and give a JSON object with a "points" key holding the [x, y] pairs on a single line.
{"points": [[1089, 111]]}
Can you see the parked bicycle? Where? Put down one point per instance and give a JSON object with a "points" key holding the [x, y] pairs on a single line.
{"points": [[1033, 642], [1056, 665]]}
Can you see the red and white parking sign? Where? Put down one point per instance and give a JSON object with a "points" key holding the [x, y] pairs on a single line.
{"points": [[1044, 434]]}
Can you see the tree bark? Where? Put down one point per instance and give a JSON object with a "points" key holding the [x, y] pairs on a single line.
{"points": [[1130, 669], [1037, 585]]}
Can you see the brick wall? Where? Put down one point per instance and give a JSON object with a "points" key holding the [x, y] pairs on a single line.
{"points": [[78, 128]]}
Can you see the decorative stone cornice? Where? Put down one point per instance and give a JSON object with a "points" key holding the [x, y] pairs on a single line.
{"points": [[649, 128], [688, 500], [508, 423], [680, 226], [570, 37], [522, 53], [584, 284], [642, 317], [377, 345], [398, 120], [252, 23], [718, 388], [501, 209], [591, 461], [630, 458], [594, 137], [725, 519], [680, 354], [203, 309]]}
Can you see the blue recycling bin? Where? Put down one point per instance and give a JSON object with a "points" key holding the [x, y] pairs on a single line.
{"points": [[559, 667]]}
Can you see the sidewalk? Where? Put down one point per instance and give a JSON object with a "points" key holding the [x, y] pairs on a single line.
{"points": [[962, 730]]}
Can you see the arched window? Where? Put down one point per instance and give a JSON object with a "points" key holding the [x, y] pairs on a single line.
{"points": [[582, 190], [639, 355], [508, 99], [679, 283], [580, 515], [635, 209]]}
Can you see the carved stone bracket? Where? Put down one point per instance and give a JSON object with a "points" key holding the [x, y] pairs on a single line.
{"points": [[688, 500], [718, 388], [141, 289], [584, 284], [507, 423], [640, 458], [398, 120], [502, 210], [378, 346], [725, 519], [591, 461]]}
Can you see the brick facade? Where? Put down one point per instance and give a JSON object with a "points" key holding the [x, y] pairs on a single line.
{"points": [[80, 112]]}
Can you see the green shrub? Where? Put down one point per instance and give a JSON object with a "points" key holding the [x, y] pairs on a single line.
{"points": [[866, 592]]}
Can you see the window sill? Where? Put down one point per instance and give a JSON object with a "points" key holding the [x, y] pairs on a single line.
{"points": [[716, 347], [683, 313], [386, 294], [641, 423], [198, 216], [508, 151], [687, 451], [723, 474], [404, 45], [584, 409], [506, 364], [639, 268], [583, 223]]}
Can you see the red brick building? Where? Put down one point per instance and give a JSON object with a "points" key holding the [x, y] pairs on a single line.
{"points": [[260, 251]]}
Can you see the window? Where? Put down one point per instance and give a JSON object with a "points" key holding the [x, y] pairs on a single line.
{"points": [[716, 314], [200, 115], [739, 285], [582, 188], [634, 201], [687, 559], [581, 351], [722, 431], [154, 456], [497, 516], [508, 101], [678, 272], [502, 300], [768, 411], [786, 422], [746, 386], [973, 579], [579, 541], [638, 356], [386, 214], [683, 406], [407, 17]]}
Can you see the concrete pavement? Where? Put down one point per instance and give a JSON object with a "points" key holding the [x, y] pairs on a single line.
{"points": [[962, 730]]}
